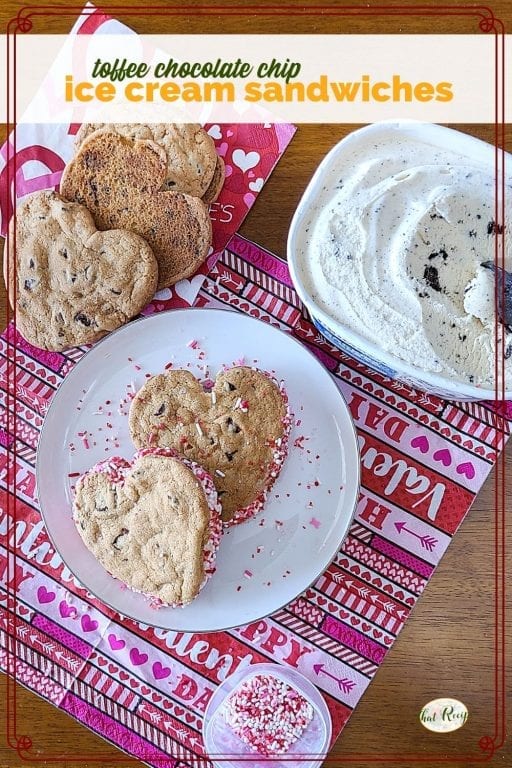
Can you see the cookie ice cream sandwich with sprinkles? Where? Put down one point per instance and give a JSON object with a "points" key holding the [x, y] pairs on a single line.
{"points": [[153, 523], [237, 429]]}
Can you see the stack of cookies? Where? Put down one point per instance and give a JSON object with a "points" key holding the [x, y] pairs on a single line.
{"points": [[131, 217], [206, 460]]}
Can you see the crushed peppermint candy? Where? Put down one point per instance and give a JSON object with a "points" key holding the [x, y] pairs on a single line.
{"points": [[84, 435], [267, 714]]}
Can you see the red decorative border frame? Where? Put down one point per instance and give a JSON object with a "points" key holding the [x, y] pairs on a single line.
{"points": [[487, 23]]}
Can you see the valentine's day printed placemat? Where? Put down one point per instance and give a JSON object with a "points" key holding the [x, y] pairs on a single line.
{"points": [[146, 690], [35, 158]]}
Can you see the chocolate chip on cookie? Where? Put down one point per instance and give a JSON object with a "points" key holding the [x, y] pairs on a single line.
{"points": [[70, 283], [238, 431]]}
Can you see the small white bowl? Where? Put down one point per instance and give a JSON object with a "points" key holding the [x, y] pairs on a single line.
{"points": [[226, 750], [345, 338]]}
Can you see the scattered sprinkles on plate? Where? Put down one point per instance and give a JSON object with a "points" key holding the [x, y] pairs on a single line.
{"points": [[299, 441], [267, 714]]}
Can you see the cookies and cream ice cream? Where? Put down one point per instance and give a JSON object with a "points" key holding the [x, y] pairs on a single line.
{"points": [[394, 250]]}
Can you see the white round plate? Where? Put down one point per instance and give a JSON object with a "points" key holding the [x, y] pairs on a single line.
{"points": [[262, 564]]}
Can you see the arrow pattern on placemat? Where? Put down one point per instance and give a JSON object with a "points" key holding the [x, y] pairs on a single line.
{"points": [[47, 647], [364, 592], [62, 657], [344, 683], [427, 542]]}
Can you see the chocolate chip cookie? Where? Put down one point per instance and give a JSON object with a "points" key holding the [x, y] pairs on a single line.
{"points": [[119, 180], [238, 431], [190, 151], [154, 523], [216, 183], [70, 283]]}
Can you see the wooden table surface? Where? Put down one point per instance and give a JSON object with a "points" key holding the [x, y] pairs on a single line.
{"points": [[447, 645]]}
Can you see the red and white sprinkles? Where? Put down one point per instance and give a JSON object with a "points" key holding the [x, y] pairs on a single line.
{"points": [[267, 714]]}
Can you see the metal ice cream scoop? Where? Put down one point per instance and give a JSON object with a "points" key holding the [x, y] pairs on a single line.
{"points": [[504, 279]]}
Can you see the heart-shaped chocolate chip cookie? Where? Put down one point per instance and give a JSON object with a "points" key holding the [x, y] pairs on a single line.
{"points": [[70, 283], [154, 523], [119, 180], [238, 431]]}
